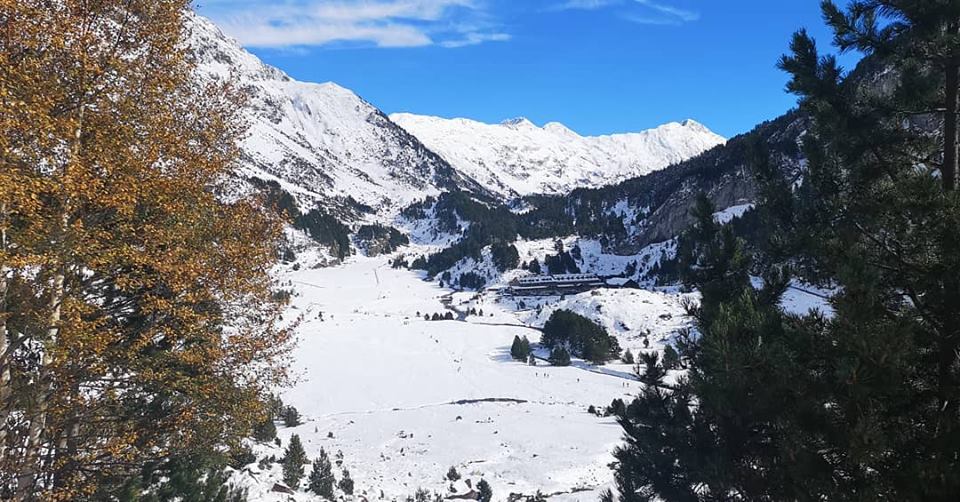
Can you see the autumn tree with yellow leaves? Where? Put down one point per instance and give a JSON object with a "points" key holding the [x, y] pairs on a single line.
{"points": [[136, 316]]}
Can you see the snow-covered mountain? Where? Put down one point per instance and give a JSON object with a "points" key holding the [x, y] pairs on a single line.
{"points": [[518, 158], [324, 144], [321, 142]]}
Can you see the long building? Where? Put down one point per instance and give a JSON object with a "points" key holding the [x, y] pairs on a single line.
{"points": [[555, 284]]}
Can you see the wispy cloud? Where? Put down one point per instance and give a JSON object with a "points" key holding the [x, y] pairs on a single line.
{"points": [[475, 38], [657, 12], [666, 12], [380, 23], [584, 4]]}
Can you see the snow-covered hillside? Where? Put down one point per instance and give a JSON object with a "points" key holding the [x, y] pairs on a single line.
{"points": [[405, 399], [519, 158], [321, 142]]}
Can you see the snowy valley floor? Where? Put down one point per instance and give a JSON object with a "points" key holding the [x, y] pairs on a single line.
{"points": [[405, 399]]}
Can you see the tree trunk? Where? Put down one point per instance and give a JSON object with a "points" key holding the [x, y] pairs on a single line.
{"points": [[949, 169], [28, 473], [5, 348], [27, 479]]}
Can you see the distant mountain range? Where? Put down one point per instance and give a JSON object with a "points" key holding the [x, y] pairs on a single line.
{"points": [[346, 166], [518, 158], [324, 144], [320, 142]]}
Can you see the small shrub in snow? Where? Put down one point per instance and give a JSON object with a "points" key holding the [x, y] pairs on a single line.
{"points": [[242, 457], [484, 492], [452, 474], [421, 495]]}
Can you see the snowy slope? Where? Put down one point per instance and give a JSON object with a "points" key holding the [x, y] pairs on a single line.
{"points": [[519, 158], [322, 142], [405, 399]]}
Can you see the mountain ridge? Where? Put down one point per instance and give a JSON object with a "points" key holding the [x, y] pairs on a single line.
{"points": [[321, 142], [518, 158]]}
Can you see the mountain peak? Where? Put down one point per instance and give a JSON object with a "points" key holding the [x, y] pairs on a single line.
{"points": [[319, 142], [516, 157], [560, 130], [694, 125], [518, 123]]}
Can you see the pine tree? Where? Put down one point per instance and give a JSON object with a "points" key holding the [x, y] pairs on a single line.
{"points": [[484, 492], [862, 404], [120, 270], [515, 348], [582, 336], [294, 459], [671, 359], [559, 356], [535, 267], [265, 431], [201, 477], [275, 407], [321, 477], [291, 417], [520, 350], [346, 484]]}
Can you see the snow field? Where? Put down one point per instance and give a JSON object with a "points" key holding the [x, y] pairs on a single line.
{"points": [[404, 399]]}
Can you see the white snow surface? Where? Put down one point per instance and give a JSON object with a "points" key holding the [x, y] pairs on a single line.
{"points": [[518, 158], [731, 213], [405, 399]]}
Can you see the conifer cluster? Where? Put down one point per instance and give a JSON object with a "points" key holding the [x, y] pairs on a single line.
{"points": [[862, 400]]}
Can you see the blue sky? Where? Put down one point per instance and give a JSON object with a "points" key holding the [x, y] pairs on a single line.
{"points": [[598, 66]]}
